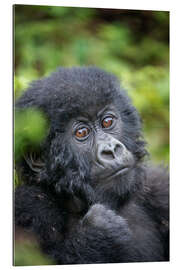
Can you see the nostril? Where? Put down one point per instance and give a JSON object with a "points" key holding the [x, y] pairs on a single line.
{"points": [[107, 154], [118, 149]]}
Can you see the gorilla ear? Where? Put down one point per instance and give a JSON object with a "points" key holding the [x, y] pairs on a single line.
{"points": [[34, 161]]}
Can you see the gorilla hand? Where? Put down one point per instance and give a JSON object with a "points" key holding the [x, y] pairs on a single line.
{"points": [[100, 217]]}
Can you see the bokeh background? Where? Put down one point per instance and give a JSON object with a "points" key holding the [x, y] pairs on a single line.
{"points": [[132, 44]]}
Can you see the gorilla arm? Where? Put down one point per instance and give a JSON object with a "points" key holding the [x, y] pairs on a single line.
{"points": [[99, 237], [156, 193], [155, 198]]}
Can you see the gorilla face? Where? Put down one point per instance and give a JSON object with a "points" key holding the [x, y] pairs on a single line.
{"points": [[97, 135]]}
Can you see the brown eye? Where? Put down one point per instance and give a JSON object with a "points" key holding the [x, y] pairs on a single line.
{"points": [[82, 132], [107, 122]]}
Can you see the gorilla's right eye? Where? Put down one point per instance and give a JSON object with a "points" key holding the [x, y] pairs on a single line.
{"points": [[82, 133]]}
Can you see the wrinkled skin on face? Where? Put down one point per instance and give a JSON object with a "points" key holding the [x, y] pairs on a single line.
{"points": [[98, 136]]}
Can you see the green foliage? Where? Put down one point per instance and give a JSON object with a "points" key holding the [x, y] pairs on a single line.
{"points": [[131, 44], [30, 129], [27, 252]]}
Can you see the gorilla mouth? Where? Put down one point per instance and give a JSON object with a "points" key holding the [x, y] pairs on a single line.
{"points": [[120, 171], [111, 173]]}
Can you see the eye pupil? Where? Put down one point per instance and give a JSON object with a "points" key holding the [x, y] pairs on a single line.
{"points": [[82, 132], [107, 122]]}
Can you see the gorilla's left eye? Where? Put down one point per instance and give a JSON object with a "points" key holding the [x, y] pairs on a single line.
{"points": [[107, 122]]}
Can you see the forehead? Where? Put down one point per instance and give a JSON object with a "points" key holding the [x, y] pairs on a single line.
{"points": [[95, 112]]}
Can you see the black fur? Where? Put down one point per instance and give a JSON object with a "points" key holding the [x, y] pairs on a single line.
{"points": [[76, 218]]}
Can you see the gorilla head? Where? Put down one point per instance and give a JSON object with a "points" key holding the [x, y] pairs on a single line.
{"points": [[94, 141]]}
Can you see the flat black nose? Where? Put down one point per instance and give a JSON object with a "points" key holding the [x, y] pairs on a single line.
{"points": [[109, 151]]}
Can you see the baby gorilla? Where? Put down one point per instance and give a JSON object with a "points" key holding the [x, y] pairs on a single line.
{"points": [[87, 195]]}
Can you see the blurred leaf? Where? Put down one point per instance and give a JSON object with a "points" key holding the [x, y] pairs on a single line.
{"points": [[30, 129], [27, 251]]}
